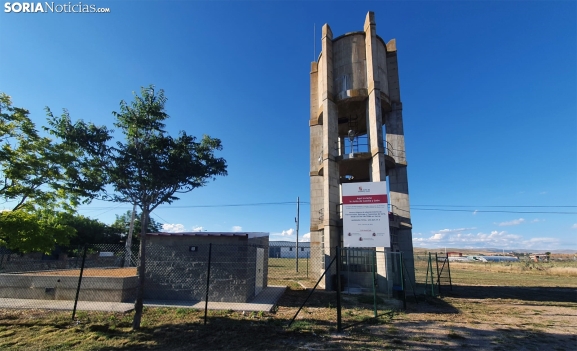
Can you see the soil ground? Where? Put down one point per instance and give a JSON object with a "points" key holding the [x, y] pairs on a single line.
{"points": [[468, 317], [525, 307], [490, 318]]}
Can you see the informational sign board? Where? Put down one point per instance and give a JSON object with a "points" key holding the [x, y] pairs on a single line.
{"points": [[365, 215]]}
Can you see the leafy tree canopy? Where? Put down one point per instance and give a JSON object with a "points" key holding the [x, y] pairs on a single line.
{"points": [[36, 231], [122, 224], [37, 172], [92, 231], [41, 177], [149, 167]]}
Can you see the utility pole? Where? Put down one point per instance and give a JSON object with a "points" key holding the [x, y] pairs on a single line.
{"points": [[297, 223]]}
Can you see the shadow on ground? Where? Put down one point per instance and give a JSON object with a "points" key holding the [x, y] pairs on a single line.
{"points": [[222, 334], [540, 294]]}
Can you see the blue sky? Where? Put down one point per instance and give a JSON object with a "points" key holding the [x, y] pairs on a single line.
{"points": [[489, 93]]}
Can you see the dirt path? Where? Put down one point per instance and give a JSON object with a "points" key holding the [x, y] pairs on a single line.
{"points": [[488, 318]]}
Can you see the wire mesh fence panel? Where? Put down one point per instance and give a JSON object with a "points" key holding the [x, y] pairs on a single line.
{"points": [[425, 275], [108, 274], [368, 275], [291, 267], [421, 266], [363, 282], [238, 274], [36, 276], [12, 262], [239, 277], [210, 276], [444, 282], [175, 273]]}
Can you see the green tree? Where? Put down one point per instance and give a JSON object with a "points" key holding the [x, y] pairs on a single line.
{"points": [[122, 225], [38, 172], [91, 231], [150, 167], [40, 177], [37, 231]]}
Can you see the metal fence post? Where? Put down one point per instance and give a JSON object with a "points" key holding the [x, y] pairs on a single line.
{"points": [[79, 282], [374, 285], [207, 283], [348, 270], [438, 275], [402, 267], [339, 320]]}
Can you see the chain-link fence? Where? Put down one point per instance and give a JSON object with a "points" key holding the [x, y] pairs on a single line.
{"points": [[206, 276], [364, 281], [294, 266], [106, 277], [93, 274]]}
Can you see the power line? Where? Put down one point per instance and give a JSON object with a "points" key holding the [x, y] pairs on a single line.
{"points": [[108, 209], [499, 206], [162, 219], [488, 211], [242, 205], [443, 208]]}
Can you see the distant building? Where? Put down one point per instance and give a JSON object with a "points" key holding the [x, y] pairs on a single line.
{"points": [[540, 257], [288, 249]]}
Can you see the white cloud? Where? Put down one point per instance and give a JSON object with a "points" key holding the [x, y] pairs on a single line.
{"points": [[543, 193], [457, 230], [236, 228], [198, 229], [173, 228], [288, 232], [574, 226], [462, 238], [466, 238], [541, 243], [513, 222], [306, 238], [437, 236], [475, 212], [440, 234], [537, 220]]}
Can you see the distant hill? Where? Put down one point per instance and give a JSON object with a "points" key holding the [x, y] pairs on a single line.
{"points": [[491, 250]]}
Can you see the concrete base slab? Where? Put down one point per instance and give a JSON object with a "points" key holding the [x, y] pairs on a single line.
{"points": [[265, 301], [66, 305]]}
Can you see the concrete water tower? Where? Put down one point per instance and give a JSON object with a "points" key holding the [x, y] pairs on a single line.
{"points": [[356, 135]]}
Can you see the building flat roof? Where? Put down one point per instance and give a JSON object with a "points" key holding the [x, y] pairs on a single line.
{"points": [[250, 235]]}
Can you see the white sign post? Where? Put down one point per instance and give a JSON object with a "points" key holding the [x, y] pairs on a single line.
{"points": [[365, 215]]}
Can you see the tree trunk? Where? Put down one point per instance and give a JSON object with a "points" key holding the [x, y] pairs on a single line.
{"points": [[141, 270]]}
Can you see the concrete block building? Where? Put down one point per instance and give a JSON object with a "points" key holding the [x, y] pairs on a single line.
{"points": [[356, 135], [177, 266]]}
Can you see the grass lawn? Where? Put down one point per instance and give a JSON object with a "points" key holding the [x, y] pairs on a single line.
{"points": [[492, 306]]}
